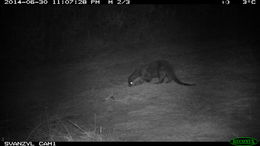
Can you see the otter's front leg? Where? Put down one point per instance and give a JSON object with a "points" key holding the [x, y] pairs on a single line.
{"points": [[147, 78]]}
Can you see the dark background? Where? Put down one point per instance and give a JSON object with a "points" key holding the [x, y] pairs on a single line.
{"points": [[41, 44], [48, 34]]}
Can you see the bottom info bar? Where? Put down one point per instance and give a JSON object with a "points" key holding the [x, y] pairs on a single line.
{"points": [[26, 143]]}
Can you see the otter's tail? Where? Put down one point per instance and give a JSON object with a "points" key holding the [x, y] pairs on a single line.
{"points": [[182, 83]]}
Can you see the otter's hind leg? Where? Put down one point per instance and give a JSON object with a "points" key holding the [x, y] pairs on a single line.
{"points": [[169, 79], [162, 76]]}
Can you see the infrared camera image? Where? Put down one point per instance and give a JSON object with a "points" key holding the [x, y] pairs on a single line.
{"points": [[173, 72]]}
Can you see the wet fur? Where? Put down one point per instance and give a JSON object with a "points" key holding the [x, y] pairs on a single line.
{"points": [[161, 69]]}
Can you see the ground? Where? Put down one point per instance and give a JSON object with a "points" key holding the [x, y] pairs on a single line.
{"points": [[89, 100]]}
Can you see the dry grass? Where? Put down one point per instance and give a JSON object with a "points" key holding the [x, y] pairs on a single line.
{"points": [[58, 129]]}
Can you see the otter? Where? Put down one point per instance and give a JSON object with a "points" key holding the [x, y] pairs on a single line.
{"points": [[160, 69]]}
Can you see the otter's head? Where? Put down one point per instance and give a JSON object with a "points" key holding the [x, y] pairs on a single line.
{"points": [[132, 78], [135, 82], [131, 81]]}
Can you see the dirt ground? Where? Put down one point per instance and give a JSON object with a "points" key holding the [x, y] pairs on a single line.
{"points": [[89, 100]]}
